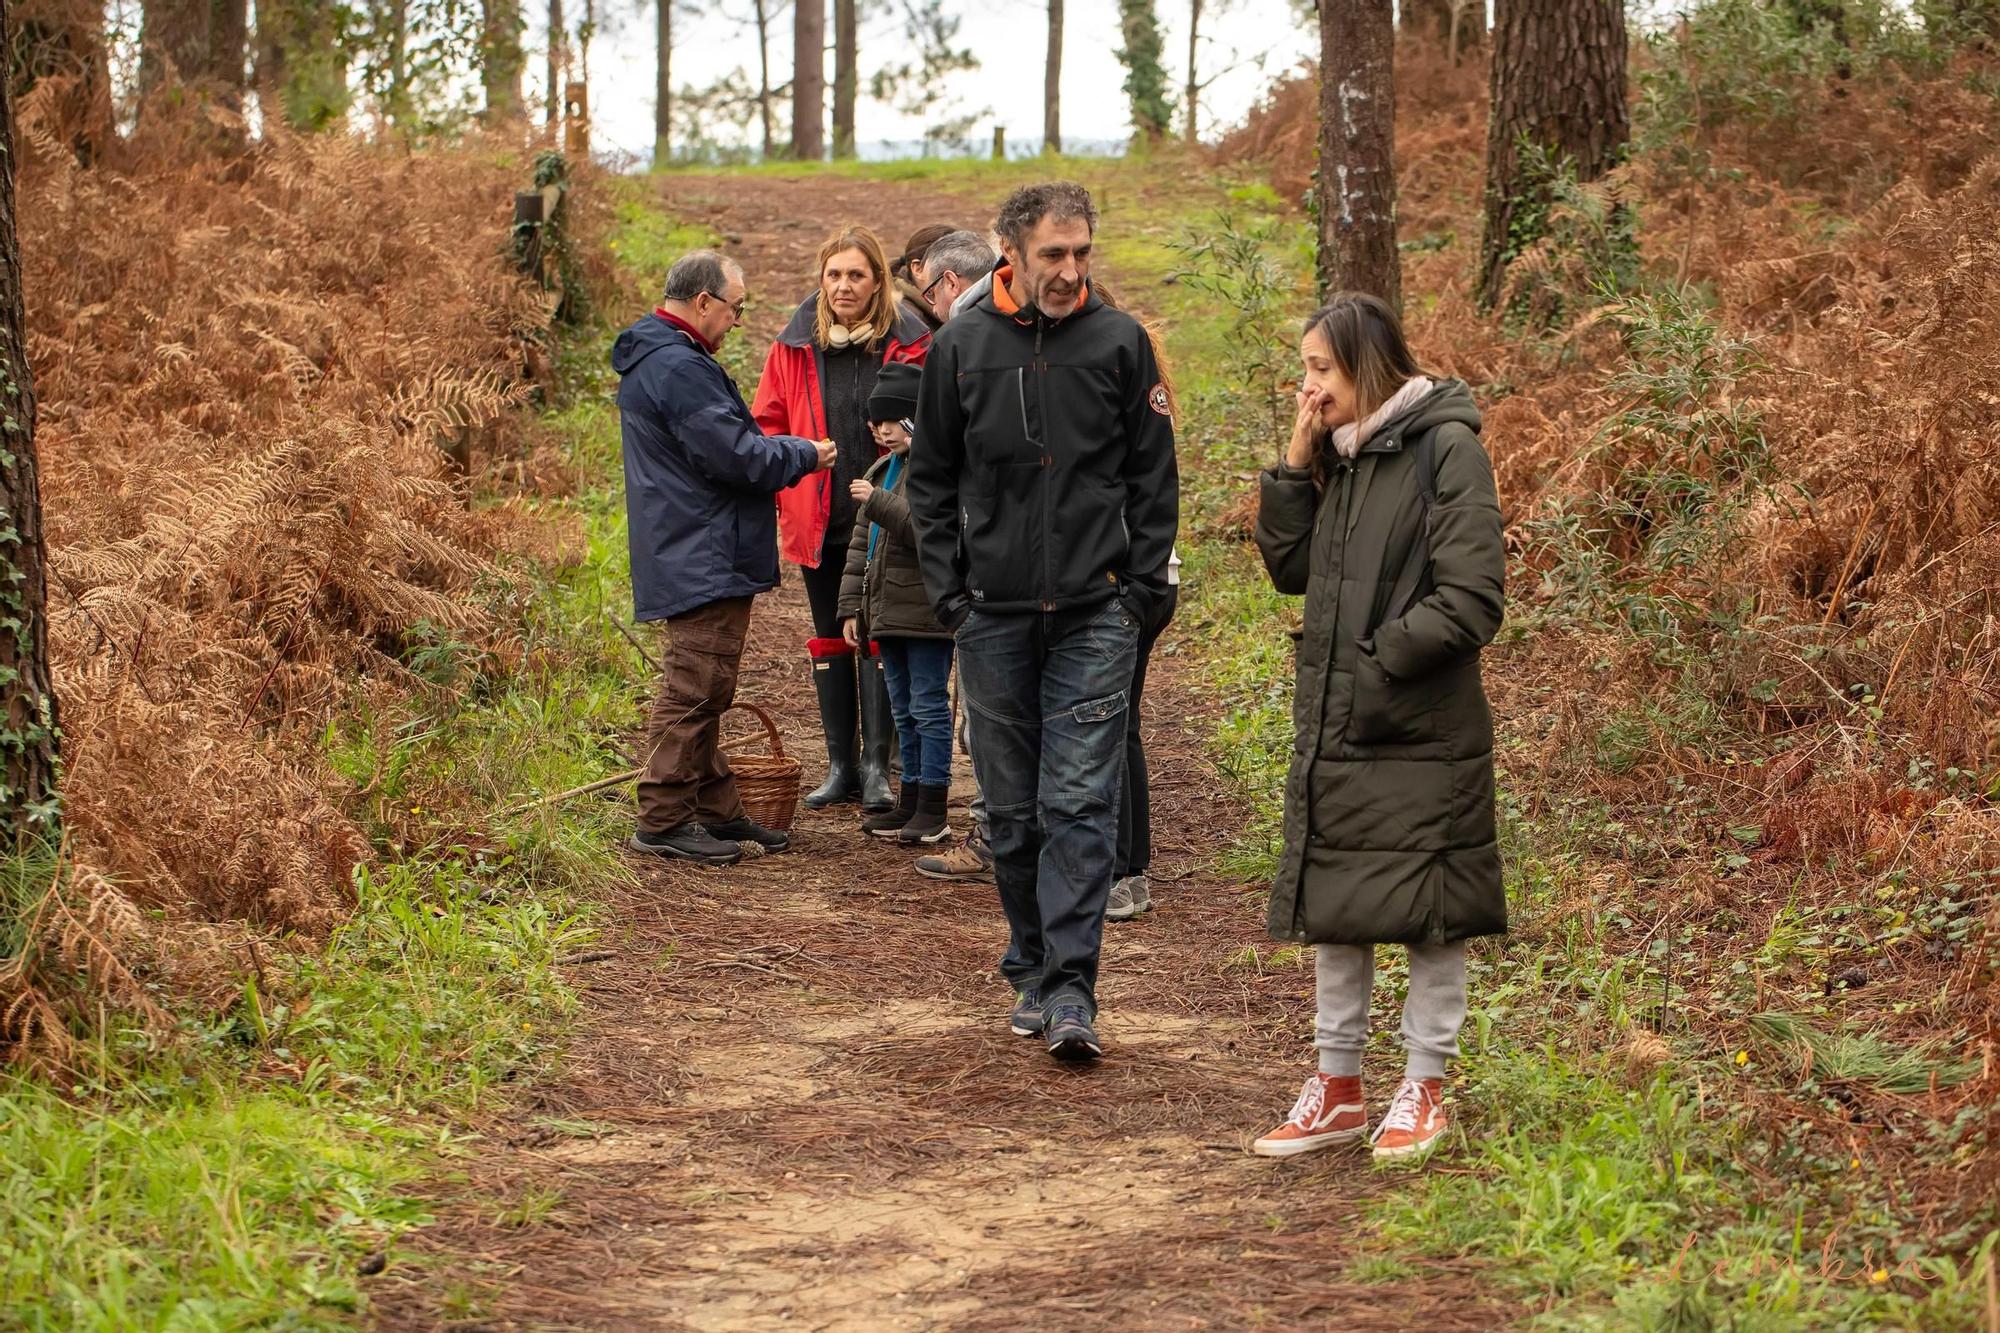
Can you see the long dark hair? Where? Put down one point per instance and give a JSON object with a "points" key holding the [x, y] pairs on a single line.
{"points": [[1366, 339]]}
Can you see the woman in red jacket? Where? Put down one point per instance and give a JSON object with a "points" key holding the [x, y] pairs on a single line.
{"points": [[816, 383]]}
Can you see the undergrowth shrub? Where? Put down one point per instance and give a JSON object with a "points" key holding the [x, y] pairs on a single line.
{"points": [[252, 365]]}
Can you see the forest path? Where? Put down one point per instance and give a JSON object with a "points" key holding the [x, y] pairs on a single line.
{"points": [[792, 1099]]}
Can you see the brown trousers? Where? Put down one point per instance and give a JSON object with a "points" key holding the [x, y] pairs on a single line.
{"points": [[687, 777]]}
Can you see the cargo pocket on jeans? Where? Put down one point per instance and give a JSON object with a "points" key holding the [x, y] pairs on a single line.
{"points": [[1100, 710]]}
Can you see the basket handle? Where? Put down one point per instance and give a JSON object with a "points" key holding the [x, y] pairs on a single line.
{"points": [[770, 727]]}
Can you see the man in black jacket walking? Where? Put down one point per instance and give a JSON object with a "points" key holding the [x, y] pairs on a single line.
{"points": [[1046, 499]]}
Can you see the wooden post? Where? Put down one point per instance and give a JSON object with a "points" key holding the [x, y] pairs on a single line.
{"points": [[999, 143], [576, 120]]}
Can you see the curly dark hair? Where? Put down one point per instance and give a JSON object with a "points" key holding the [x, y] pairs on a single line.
{"points": [[1064, 201]]}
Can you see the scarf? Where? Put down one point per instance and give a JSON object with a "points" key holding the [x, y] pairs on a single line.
{"points": [[890, 476], [1348, 439]]}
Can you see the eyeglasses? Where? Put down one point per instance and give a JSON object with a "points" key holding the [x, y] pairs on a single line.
{"points": [[735, 308], [926, 293]]}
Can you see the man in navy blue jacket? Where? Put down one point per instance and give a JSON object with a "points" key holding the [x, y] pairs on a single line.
{"points": [[700, 477]]}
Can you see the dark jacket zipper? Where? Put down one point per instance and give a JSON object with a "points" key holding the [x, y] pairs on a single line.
{"points": [[1048, 468]]}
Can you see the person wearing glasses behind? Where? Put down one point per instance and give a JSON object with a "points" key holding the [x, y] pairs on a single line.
{"points": [[699, 477], [908, 271], [816, 383]]}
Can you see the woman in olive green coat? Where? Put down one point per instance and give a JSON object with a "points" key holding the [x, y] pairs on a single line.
{"points": [[1383, 514]]}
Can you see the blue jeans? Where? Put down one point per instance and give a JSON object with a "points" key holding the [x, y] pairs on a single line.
{"points": [[919, 676], [1049, 691]]}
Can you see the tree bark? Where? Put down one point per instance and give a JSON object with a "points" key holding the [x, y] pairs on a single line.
{"points": [[846, 39], [501, 60], [399, 61], [1357, 166], [809, 80], [764, 75], [28, 736], [198, 42], [663, 87], [1191, 129], [558, 63], [301, 63], [1052, 83], [1558, 82]]}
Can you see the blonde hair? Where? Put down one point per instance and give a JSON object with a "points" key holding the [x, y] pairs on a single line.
{"points": [[881, 315]]}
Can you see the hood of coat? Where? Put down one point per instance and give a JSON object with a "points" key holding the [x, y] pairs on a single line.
{"points": [[647, 336], [1450, 401], [907, 330]]}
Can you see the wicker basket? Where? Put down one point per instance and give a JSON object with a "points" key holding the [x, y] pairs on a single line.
{"points": [[768, 783]]}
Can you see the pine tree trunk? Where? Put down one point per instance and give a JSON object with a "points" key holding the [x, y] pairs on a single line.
{"points": [[764, 75], [1191, 129], [1357, 166], [501, 60], [809, 80], [1052, 83], [200, 42], [1558, 81], [663, 87], [846, 39], [28, 758], [399, 61], [558, 61]]}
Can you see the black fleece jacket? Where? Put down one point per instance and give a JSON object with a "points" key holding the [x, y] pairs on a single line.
{"points": [[1047, 479]]}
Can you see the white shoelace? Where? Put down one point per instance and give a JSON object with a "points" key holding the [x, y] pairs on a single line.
{"points": [[1312, 1099], [1405, 1109]]}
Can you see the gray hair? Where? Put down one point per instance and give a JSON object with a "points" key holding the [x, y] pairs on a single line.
{"points": [[965, 253], [1063, 201], [699, 271]]}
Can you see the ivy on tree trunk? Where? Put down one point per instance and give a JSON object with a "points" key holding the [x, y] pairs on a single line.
{"points": [[28, 757], [1145, 71]]}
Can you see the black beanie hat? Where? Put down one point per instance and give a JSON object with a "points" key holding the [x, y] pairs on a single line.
{"points": [[895, 394]]}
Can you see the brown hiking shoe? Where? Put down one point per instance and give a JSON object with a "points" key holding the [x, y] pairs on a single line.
{"points": [[969, 860], [1415, 1121], [1328, 1113]]}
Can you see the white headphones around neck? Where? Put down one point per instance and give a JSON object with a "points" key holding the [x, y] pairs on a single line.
{"points": [[844, 335]]}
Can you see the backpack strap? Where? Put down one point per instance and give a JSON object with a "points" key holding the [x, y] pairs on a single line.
{"points": [[1417, 567]]}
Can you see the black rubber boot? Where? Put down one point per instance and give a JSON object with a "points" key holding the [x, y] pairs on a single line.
{"points": [[833, 681], [878, 737], [890, 822], [928, 825]]}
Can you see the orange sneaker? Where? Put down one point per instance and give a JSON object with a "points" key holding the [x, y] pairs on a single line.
{"points": [[1415, 1121], [1329, 1112]]}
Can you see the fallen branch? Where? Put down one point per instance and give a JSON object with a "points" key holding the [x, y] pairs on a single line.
{"points": [[633, 639], [584, 790]]}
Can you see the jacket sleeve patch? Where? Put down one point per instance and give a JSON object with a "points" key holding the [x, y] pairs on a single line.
{"points": [[1157, 400]]}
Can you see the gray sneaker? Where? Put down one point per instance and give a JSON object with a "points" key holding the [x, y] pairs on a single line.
{"points": [[1129, 897]]}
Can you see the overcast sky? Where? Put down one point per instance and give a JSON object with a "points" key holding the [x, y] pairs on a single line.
{"points": [[1010, 40]]}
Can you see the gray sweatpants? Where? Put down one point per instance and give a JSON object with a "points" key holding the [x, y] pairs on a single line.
{"points": [[1432, 1013]]}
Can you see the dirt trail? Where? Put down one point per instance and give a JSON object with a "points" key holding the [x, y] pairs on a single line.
{"points": [[793, 1100]]}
